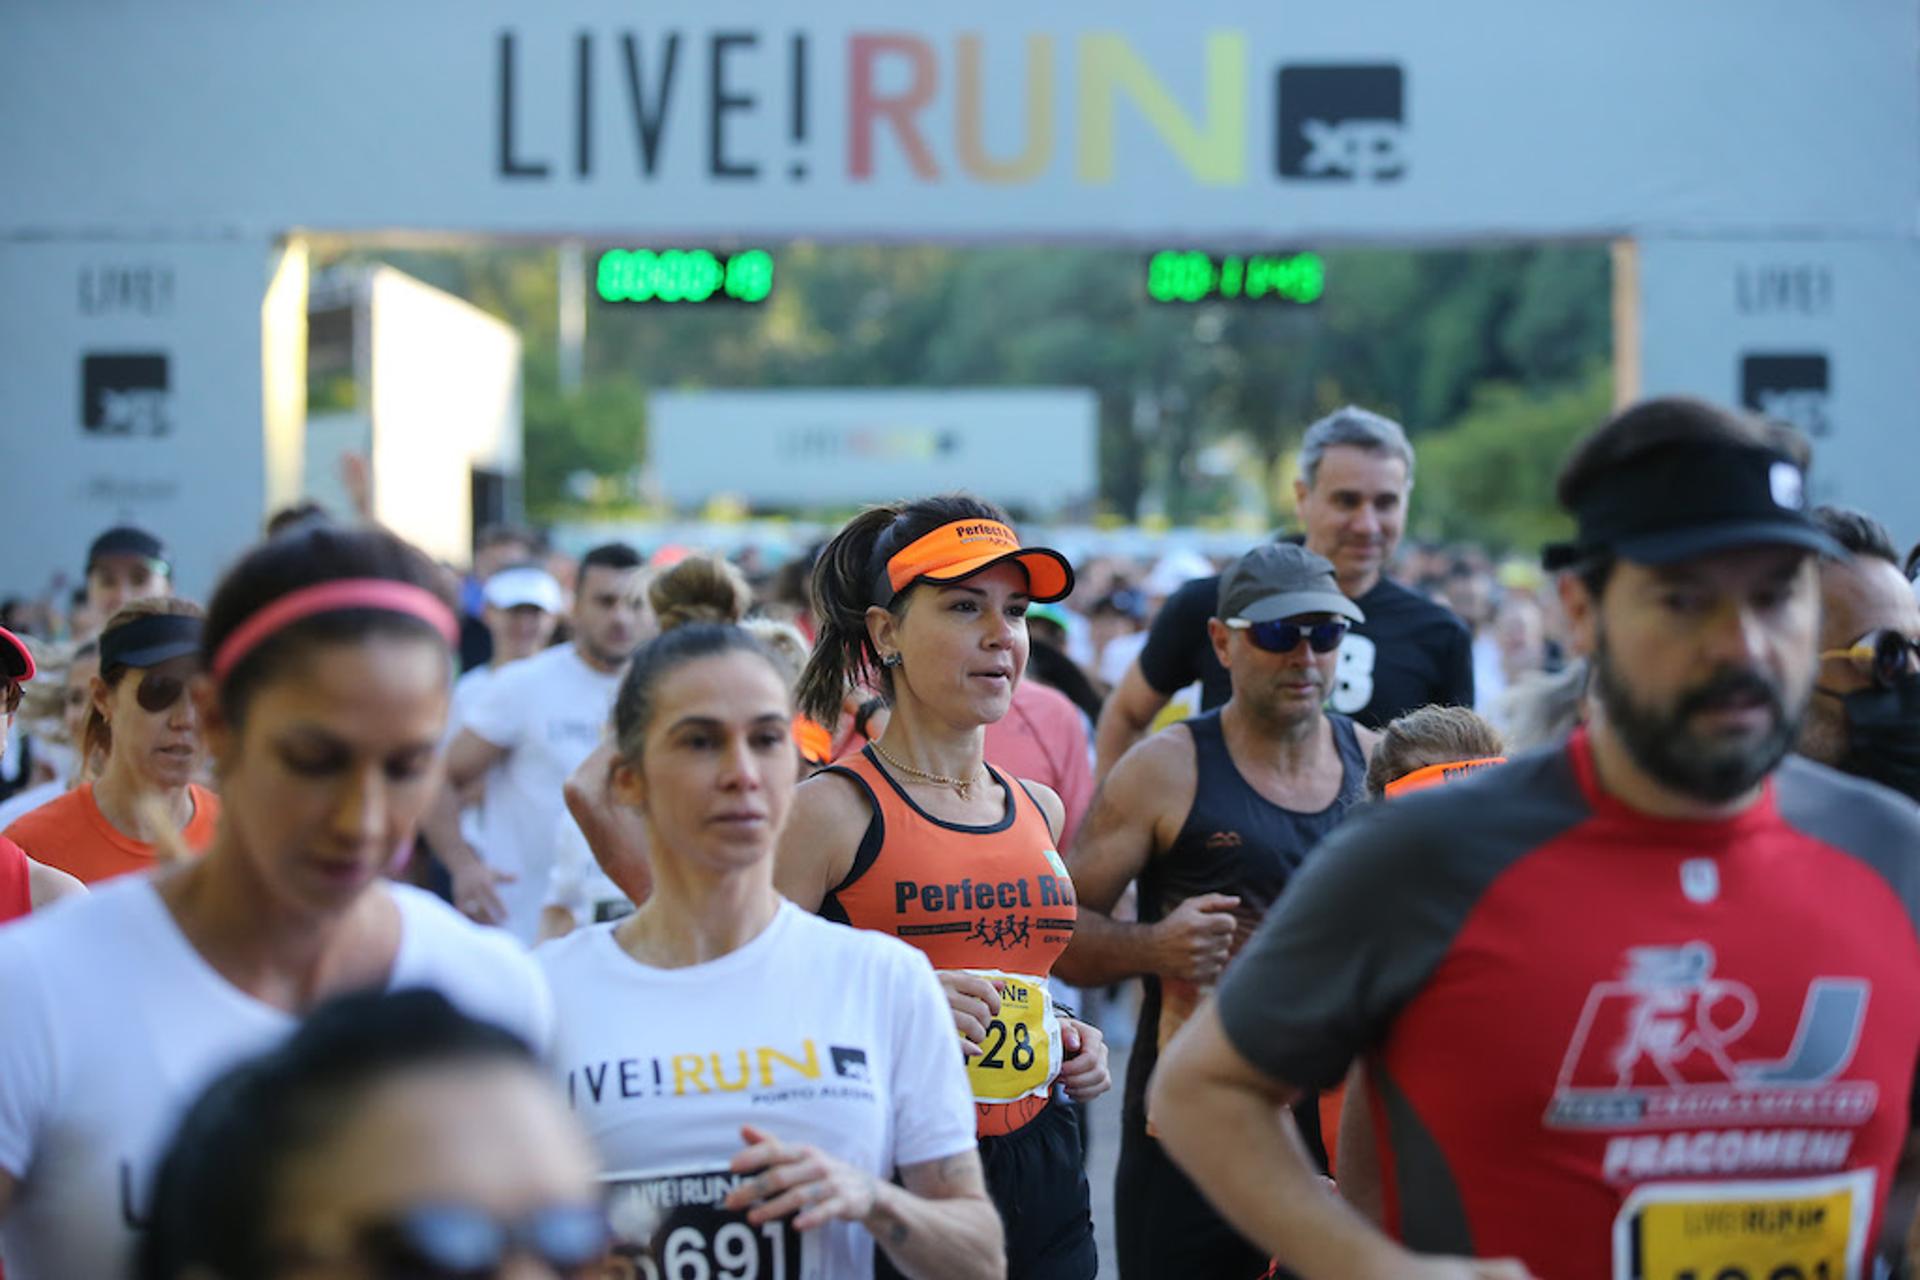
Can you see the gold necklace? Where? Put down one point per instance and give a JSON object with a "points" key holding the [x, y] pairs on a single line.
{"points": [[963, 787]]}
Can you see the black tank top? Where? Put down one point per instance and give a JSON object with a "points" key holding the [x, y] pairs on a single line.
{"points": [[1234, 841]]}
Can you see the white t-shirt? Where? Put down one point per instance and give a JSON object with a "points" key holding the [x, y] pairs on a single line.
{"points": [[547, 712], [27, 801], [577, 883], [111, 1024], [466, 692], [819, 1034]]}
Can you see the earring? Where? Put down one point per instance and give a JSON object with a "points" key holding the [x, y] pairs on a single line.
{"points": [[891, 660]]}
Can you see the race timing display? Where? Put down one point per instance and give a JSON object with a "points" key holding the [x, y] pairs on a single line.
{"points": [[1189, 275], [684, 275]]}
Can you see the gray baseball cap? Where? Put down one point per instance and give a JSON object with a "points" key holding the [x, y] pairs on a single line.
{"points": [[1281, 580]]}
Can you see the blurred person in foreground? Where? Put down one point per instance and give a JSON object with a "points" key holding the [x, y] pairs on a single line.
{"points": [[25, 885], [1356, 475], [391, 1136], [1213, 816], [1644, 1005], [1865, 715], [324, 665]]}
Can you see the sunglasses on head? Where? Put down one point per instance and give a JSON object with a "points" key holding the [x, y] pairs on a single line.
{"points": [[459, 1242], [1285, 637], [1882, 656]]}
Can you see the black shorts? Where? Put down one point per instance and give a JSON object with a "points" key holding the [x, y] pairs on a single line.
{"points": [[1164, 1228], [1039, 1185]]}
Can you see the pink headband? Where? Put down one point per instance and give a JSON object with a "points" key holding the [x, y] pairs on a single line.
{"points": [[331, 597]]}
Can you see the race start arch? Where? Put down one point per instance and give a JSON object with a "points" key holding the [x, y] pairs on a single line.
{"points": [[1757, 160]]}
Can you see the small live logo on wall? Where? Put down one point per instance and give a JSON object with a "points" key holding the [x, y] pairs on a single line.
{"points": [[125, 394], [1791, 387]]}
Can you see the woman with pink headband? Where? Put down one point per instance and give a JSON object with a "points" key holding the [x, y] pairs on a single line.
{"points": [[326, 665]]}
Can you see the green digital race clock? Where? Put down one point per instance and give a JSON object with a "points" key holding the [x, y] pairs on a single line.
{"points": [[1189, 275], [684, 275]]}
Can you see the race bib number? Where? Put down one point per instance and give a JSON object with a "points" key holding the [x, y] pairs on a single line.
{"points": [[674, 1227], [1804, 1229], [1020, 1055]]}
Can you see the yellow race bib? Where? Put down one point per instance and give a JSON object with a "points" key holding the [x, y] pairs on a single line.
{"points": [[1021, 1053], [1798, 1229]]}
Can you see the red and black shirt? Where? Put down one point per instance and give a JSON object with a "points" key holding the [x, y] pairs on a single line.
{"points": [[1613, 1046]]}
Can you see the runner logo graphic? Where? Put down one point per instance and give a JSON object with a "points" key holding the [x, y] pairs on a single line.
{"points": [[849, 1064], [1342, 123], [1793, 388], [1669, 1044], [125, 394]]}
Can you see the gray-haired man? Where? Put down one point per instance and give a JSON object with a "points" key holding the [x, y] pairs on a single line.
{"points": [[1356, 472]]}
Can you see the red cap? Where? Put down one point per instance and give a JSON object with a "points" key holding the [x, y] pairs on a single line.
{"points": [[13, 651]]}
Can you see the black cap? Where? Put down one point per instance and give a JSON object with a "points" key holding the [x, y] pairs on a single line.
{"points": [[1279, 580], [16, 660], [149, 640], [126, 540], [1692, 499]]}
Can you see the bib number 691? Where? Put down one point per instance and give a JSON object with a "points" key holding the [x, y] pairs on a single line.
{"points": [[733, 1253]]}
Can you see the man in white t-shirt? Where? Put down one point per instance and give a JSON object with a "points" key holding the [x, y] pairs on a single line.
{"points": [[533, 724], [521, 606]]}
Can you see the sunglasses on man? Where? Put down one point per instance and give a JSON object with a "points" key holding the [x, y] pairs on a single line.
{"points": [[1280, 636], [1882, 656]]}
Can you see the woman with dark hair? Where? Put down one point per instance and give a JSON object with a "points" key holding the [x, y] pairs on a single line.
{"points": [[916, 835], [392, 1135], [325, 668], [755, 1078], [143, 726]]}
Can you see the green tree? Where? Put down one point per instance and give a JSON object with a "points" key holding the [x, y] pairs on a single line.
{"points": [[1489, 477]]}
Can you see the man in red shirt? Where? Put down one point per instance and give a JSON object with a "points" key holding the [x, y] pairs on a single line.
{"points": [[25, 885], [1642, 1007]]}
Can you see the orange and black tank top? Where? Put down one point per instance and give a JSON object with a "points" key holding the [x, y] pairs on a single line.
{"points": [[995, 900]]}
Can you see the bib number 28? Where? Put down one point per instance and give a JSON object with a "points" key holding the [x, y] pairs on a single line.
{"points": [[1020, 1053]]}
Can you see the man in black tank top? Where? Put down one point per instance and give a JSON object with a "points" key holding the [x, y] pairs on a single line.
{"points": [[1213, 816]]}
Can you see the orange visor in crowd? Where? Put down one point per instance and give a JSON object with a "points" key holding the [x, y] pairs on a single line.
{"points": [[965, 547], [1435, 774], [815, 743]]}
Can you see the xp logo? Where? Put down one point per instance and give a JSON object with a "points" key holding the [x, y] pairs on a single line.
{"points": [[1669, 1043], [125, 394], [849, 1064], [1342, 123], [1791, 388]]}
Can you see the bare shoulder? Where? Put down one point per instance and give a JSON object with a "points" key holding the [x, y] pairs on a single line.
{"points": [[1052, 807], [1165, 760], [824, 828]]}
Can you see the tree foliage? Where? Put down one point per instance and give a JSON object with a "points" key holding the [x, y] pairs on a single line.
{"points": [[1488, 354]]}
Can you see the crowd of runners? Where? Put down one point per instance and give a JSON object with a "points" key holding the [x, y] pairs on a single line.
{"points": [[634, 917]]}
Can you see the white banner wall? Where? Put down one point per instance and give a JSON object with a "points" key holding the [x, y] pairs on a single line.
{"points": [[855, 118], [130, 390], [1032, 448], [1819, 333]]}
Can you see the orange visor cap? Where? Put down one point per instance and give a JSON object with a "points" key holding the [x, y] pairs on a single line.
{"points": [[965, 547]]}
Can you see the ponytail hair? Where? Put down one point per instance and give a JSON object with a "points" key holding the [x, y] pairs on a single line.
{"points": [[845, 586]]}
